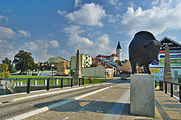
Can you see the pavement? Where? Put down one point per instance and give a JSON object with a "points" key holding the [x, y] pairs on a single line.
{"points": [[111, 103]]}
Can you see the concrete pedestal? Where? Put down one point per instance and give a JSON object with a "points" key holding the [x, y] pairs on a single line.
{"points": [[142, 95]]}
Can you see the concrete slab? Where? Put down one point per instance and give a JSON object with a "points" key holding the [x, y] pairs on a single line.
{"points": [[142, 95]]}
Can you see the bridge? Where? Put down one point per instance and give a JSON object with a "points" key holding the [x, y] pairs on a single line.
{"points": [[104, 101]]}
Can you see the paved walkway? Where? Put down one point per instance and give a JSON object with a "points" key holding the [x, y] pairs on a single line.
{"points": [[110, 104]]}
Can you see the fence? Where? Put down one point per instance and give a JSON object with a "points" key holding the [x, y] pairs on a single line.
{"points": [[46, 82], [165, 85]]}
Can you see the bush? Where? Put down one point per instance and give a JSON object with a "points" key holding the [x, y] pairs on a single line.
{"points": [[4, 73]]}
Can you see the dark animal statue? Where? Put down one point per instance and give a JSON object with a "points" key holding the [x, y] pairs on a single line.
{"points": [[143, 50]]}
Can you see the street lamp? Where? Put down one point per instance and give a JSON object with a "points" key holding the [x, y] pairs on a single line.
{"points": [[52, 69], [52, 72]]}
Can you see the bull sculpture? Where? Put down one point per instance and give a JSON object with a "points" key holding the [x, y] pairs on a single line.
{"points": [[143, 50]]}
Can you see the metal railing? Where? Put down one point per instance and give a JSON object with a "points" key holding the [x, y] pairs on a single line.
{"points": [[28, 85], [164, 84]]}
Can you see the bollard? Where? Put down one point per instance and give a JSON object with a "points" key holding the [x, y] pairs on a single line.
{"points": [[82, 81], [165, 87], [35, 83], [48, 84], [71, 82], [171, 89], [160, 86], [79, 81], [28, 85], [45, 82], [56, 81], [21, 83], [179, 93], [61, 82]]}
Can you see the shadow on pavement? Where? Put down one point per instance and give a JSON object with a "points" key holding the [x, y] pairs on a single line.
{"points": [[91, 106]]}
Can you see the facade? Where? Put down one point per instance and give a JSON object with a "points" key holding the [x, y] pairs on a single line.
{"points": [[63, 68], [119, 51], [98, 71], [55, 60], [157, 67], [113, 57], [86, 61]]}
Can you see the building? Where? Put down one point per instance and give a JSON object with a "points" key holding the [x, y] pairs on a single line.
{"points": [[63, 68], [61, 65], [99, 70], [119, 51], [113, 57], [157, 67], [86, 61]]}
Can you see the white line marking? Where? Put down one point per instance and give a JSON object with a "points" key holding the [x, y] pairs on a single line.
{"points": [[40, 110], [117, 109]]}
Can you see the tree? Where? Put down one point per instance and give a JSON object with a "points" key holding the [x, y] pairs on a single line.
{"points": [[23, 61], [10, 64], [4, 70]]}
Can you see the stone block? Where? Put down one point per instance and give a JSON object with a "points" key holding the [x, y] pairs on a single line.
{"points": [[142, 95], [56, 81], [45, 82], [35, 83]]}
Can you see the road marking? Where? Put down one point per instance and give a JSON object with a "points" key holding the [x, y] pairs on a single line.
{"points": [[43, 109], [117, 109]]}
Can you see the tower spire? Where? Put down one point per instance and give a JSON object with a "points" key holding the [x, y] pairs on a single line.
{"points": [[118, 46]]}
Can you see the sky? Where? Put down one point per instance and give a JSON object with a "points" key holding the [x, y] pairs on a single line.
{"points": [[52, 28]]}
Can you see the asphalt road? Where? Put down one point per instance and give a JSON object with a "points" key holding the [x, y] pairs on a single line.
{"points": [[15, 108]]}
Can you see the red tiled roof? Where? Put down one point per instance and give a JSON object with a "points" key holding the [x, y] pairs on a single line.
{"points": [[103, 56], [115, 55], [94, 59]]}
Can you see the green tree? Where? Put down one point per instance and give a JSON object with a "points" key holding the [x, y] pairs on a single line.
{"points": [[23, 61], [4, 70], [10, 64]]}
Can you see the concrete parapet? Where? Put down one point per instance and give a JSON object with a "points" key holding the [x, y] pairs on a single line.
{"points": [[142, 95]]}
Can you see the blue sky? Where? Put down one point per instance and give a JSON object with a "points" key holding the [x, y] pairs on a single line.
{"points": [[51, 28]]}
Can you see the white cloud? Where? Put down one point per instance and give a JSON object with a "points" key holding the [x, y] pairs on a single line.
{"points": [[6, 33], [6, 49], [77, 2], [76, 41], [60, 12], [24, 33], [54, 43], [115, 3], [157, 19], [31, 46], [89, 14], [3, 19]]}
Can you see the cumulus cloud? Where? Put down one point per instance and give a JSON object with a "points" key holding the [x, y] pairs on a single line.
{"points": [[89, 14], [54, 43], [115, 3], [24, 33], [164, 16], [6, 49], [6, 33], [3, 19], [60, 12], [76, 41], [31, 46], [77, 2]]}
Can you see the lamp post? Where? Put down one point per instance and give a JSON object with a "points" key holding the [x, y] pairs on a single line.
{"points": [[52, 72]]}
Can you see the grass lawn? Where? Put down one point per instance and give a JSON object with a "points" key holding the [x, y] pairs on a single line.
{"points": [[52, 81]]}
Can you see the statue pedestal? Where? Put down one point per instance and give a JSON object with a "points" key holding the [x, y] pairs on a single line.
{"points": [[142, 95]]}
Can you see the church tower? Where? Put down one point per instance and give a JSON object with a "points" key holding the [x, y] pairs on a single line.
{"points": [[119, 52]]}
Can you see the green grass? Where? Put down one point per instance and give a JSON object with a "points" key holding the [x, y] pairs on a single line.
{"points": [[52, 81]]}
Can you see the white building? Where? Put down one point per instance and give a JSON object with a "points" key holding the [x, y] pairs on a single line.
{"points": [[86, 61]]}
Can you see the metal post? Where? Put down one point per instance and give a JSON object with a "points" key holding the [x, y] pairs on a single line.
{"points": [[82, 81], [160, 86], [171, 87], [28, 85], [48, 84], [165, 87], [71, 82], [179, 93], [79, 81], [61, 82]]}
